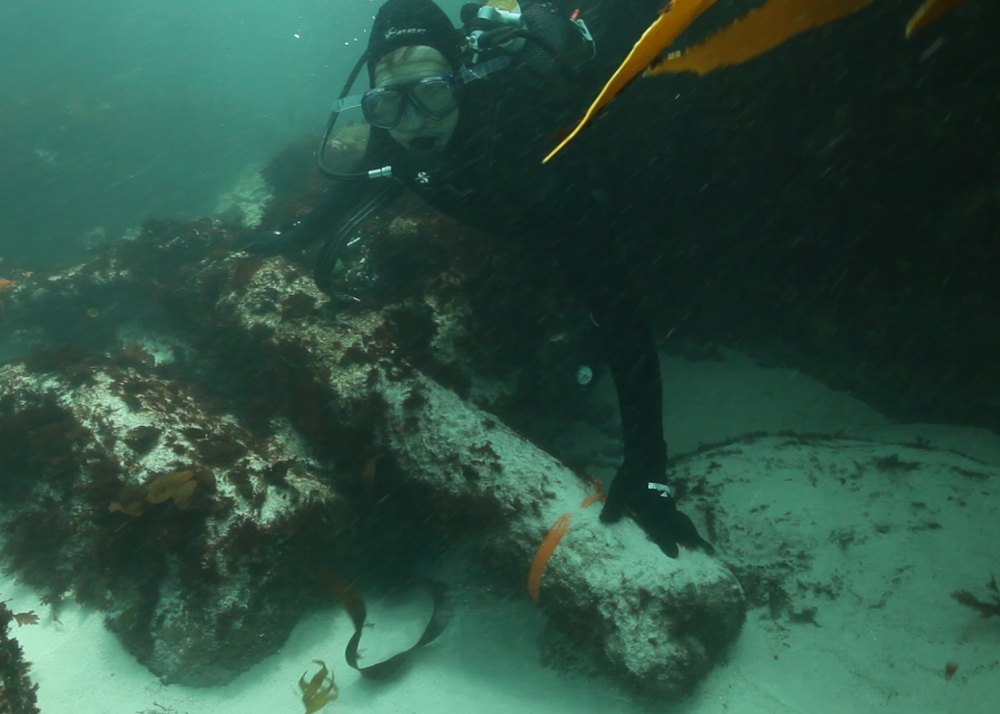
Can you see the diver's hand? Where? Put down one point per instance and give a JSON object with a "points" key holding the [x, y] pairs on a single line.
{"points": [[654, 509]]}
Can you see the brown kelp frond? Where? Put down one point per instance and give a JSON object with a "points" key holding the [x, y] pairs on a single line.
{"points": [[320, 690], [26, 618], [984, 608], [177, 486], [930, 11], [760, 30], [544, 552], [676, 17]]}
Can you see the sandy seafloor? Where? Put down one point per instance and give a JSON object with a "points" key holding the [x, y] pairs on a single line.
{"points": [[863, 658]]}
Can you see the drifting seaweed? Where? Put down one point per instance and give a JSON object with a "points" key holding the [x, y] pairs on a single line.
{"points": [[177, 487], [344, 593], [544, 552], [985, 609], [555, 534], [597, 495], [26, 618], [930, 11], [316, 694], [17, 693], [759, 31]]}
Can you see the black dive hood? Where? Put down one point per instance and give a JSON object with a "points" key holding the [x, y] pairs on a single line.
{"points": [[487, 43], [398, 23]]}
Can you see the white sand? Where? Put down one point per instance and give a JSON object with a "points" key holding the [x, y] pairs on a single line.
{"points": [[882, 645]]}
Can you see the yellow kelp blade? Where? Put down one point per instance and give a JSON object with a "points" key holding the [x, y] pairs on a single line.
{"points": [[760, 30], [673, 20], [930, 11]]}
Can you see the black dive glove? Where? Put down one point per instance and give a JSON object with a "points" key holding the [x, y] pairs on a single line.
{"points": [[654, 509]]}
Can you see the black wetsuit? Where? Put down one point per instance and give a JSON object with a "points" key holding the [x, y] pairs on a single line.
{"points": [[490, 176]]}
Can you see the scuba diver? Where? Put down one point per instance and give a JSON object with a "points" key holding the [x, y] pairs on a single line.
{"points": [[463, 118]]}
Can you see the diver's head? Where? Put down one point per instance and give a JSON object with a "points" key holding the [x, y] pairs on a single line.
{"points": [[414, 98], [413, 40]]}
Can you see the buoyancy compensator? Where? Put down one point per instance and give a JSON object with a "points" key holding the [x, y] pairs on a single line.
{"points": [[535, 37]]}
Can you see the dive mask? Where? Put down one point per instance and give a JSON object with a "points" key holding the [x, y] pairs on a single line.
{"points": [[383, 106]]}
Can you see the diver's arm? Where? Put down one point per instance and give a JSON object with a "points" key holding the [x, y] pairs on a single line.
{"points": [[627, 343], [338, 201], [335, 206]]}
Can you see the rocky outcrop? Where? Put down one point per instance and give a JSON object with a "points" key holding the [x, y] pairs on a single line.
{"points": [[17, 691], [181, 494], [134, 495]]}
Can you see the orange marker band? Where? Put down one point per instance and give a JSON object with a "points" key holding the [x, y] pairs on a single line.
{"points": [[544, 552]]}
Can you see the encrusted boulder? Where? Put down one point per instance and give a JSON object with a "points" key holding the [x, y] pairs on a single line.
{"points": [[127, 491]]}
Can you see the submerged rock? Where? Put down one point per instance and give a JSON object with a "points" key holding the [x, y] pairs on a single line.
{"points": [[192, 527], [126, 491]]}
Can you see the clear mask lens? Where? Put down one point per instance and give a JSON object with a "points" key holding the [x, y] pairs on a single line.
{"points": [[435, 99], [433, 96], [384, 109]]}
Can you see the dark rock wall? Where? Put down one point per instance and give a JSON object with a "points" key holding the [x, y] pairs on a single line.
{"points": [[832, 205]]}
